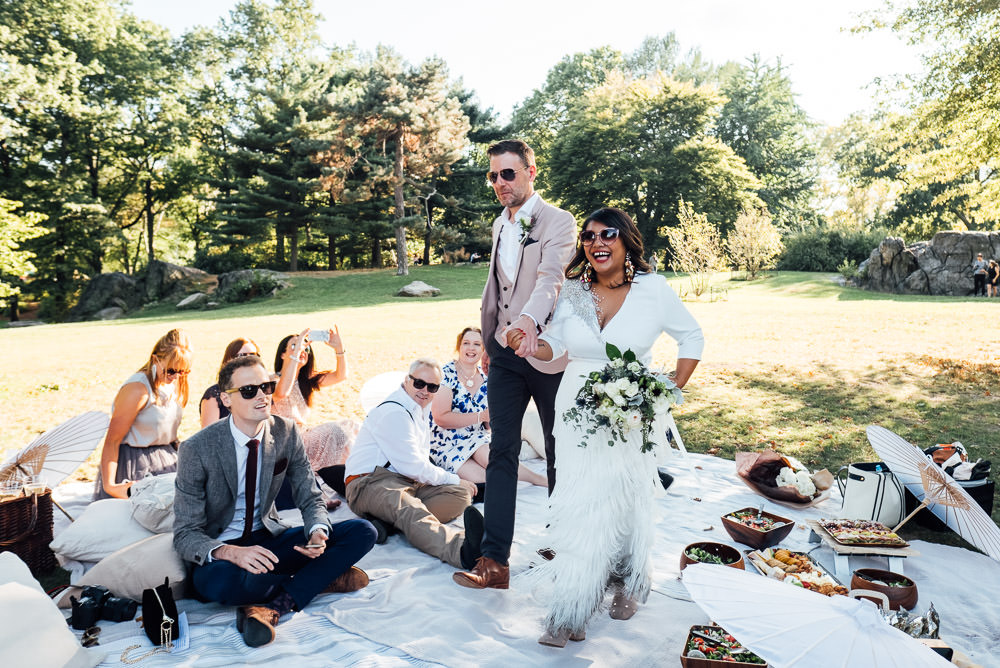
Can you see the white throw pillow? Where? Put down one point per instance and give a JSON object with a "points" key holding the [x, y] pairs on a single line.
{"points": [[531, 430], [106, 526], [152, 502], [136, 567], [32, 630]]}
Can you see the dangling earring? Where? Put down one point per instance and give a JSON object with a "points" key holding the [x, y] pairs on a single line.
{"points": [[629, 268], [585, 275]]}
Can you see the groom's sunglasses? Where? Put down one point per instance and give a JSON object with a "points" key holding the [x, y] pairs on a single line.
{"points": [[505, 174], [607, 235], [420, 384], [250, 391]]}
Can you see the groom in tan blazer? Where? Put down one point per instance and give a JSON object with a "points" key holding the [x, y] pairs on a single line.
{"points": [[532, 244]]}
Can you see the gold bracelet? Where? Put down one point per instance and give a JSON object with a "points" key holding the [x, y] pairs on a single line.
{"points": [[344, 352]]}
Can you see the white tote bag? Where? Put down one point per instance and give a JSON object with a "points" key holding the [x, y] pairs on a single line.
{"points": [[871, 492]]}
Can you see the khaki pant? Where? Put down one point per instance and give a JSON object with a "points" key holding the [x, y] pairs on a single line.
{"points": [[416, 509]]}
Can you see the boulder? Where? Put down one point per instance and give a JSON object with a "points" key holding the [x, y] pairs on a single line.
{"points": [[107, 290], [110, 313], [26, 323], [418, 289], [165, 281], [196, 301], [941, 266], [245, 284]]}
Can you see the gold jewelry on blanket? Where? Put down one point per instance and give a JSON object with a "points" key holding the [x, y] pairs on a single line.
{"points": [[166, 637]]}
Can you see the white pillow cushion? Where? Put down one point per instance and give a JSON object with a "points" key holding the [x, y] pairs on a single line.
{"points": [[531, 430], [105, 526], [32, 630], [136, 567], [152, 502]]}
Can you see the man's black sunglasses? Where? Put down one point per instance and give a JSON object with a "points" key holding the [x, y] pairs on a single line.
{"points": [[250, 391], [420, 384], [607, 235], [505, 174]]}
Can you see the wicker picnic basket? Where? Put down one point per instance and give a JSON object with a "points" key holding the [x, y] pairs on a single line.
{"points": [[26, 530]]}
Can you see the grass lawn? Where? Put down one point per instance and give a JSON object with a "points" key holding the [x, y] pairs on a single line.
{"points": [[793, 361]]}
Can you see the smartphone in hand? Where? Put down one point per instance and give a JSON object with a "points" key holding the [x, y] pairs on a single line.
{"points": [[319, 334]]}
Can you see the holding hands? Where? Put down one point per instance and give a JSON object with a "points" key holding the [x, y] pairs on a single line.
{"points": [[524, 332]]}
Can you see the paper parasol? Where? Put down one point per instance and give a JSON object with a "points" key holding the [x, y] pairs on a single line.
{"points": [[59, 452], [790, 626], [375, 390], [937, 491]]}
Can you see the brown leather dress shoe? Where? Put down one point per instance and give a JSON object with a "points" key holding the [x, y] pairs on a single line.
{"points": [[256, 623], [487, 574], [352, 579]]}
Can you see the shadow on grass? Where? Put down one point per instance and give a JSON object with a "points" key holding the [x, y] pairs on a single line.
{"points": [[823, 285], [820, 416]]}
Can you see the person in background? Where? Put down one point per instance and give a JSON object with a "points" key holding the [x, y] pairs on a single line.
{"points": [[979, 275], [460, 424], [142, 436], [992, 273], [211, 407]]}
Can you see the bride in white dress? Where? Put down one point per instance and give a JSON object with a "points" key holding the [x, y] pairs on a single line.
{"points": [[602, 519]]}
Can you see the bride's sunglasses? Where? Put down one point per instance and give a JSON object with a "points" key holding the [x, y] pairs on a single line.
{"points": [[420, 384], [607, 235], [505, 174], [250, 391]]}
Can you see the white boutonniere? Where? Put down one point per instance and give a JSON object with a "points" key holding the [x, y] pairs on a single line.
{"points": [[526, 223]]}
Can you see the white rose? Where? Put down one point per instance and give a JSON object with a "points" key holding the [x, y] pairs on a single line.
{"points": [[632, 389], [634, 419], [598, 388], [634, 367], [617, 363]]}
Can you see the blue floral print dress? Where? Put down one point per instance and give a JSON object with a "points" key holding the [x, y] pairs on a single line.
{"points": [[450, 448]]}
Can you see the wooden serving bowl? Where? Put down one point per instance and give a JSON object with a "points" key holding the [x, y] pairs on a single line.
{"points": [[756, 538], [899, 597], [720, 550]]}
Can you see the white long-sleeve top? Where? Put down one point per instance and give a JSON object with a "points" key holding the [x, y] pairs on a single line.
{"points": [[397, 433]]}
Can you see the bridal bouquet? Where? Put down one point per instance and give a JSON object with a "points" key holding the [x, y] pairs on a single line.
{"points": [[623, 397]]}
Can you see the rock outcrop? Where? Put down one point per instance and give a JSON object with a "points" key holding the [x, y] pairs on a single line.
{"points": [[941, 266]]}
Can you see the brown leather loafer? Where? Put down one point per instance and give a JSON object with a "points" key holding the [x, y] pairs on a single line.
{"points": [[352, 579], [256, 623], [487, 574]]}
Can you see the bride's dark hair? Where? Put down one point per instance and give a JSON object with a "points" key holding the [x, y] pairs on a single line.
{"points": [[628, 234]]}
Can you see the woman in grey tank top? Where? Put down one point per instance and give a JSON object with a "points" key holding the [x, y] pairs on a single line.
{"points": [[142, 436]]}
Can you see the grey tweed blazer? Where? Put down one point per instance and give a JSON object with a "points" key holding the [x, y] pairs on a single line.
{"points": [[206, 487]]}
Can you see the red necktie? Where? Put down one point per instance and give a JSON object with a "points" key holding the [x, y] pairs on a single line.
{"points": [[250, 488]]}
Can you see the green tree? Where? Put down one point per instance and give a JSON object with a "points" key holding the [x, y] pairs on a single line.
{"points": [[15, 262], [643, 145], [764, 125], [696, 247], [754, 243]]}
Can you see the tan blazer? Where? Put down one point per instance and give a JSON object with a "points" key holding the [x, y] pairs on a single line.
{"points": [[542, 259]]}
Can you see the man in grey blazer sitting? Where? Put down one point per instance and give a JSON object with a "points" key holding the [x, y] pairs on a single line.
{"points": [[228, 476]]}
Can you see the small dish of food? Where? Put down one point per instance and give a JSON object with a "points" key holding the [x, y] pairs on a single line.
{"points": [[757, 527], [707, 552]]}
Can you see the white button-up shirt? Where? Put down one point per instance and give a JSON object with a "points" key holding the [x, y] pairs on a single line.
{"points": [[510, 237], [235, 528], [398, 434]]}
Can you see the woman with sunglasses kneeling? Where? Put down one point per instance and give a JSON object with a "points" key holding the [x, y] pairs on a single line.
{"points": [[602, 509], [145, 416]]}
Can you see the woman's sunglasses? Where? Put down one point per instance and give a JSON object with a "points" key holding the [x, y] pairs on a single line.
{"points": [[505, 174], [420, 384], [248, 354], [607, 235], [178, 372], [250, 391]]}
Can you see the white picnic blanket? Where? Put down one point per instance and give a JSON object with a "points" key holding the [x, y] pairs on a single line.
{"points": [[413, 614]]}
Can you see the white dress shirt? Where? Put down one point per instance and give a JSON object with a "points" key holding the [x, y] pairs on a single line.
{"points": [[400, 435], [235, 528], [510, 237]]}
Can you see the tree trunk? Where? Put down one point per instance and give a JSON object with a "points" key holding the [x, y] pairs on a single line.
{"points": [[331, 252], [397, 189], [149, 221], [427, 234], [293, 238], [13, 308], [280, 246], [376, 253]]}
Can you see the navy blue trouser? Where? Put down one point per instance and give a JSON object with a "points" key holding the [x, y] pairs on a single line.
{"points": [[511, 383], [303, 578]]}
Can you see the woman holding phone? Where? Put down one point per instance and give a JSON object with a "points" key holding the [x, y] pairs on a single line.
{"points": [[326, 444]]}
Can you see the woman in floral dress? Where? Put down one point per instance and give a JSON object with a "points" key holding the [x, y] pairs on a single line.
{"points": [[460, 417]]}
